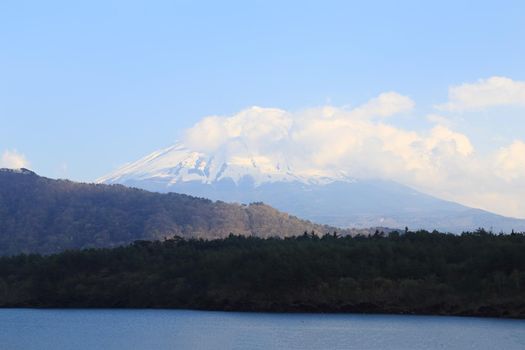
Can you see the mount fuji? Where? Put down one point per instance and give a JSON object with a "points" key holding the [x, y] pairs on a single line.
{"points": [[327, 198]]}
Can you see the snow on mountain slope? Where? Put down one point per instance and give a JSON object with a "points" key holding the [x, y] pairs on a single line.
{"points": [[178, 164]]}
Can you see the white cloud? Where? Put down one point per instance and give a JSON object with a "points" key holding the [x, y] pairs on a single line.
{"points": [[13, 159], [254, 128], [448, 142], [439, 119], [510, 161], [327, 141], [491, 92], [385, 105]]}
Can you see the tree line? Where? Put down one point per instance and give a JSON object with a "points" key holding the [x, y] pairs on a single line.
{"points": [[476, 273]]}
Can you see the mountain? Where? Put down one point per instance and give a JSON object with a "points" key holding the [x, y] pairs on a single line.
{"points": [[332, 199], [43, 215], [178, 164]]}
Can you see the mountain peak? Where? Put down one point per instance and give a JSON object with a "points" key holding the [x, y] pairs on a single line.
{"points": [[179, 164]]}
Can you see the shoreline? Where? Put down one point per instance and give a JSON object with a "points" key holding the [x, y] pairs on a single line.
{"points": [[274, 312]]}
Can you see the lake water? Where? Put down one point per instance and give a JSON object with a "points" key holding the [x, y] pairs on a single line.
{"points": [[178, 329]]}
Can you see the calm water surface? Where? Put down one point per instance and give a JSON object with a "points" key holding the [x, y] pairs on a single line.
{"points": [[174, 329]]}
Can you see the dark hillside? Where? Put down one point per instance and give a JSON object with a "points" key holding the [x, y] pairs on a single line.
{"points": [[42, 215]]}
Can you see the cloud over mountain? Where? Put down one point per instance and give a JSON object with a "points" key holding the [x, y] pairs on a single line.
{"points": [[319, 141], [361, 142]]}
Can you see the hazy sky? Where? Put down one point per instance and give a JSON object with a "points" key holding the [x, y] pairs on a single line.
{"points": [[429, 95]]}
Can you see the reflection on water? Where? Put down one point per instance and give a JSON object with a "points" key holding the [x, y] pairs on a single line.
{"points": [[177, 329]]}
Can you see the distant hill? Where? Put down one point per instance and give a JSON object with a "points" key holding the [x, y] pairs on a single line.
{"points": [[43, 215], [333, 199]]}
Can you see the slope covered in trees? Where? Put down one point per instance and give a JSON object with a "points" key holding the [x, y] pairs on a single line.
{"points": [[423, 273], [42, 215]]}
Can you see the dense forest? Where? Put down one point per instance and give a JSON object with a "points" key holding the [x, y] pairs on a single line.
{"points": [[43, 215], [475, 273]]}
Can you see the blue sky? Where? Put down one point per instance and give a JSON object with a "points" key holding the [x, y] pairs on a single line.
{"points": [[87, 87]]}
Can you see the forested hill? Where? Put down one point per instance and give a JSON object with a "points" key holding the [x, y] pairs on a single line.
{"points": [[43, 215], [417, 272]]}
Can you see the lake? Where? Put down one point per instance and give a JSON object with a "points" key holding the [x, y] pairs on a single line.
{"points": [[180, 329]]}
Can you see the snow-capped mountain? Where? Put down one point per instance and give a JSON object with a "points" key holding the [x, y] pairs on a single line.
{"points": [[177, 164], [327, 198]]}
